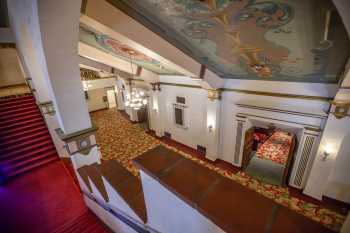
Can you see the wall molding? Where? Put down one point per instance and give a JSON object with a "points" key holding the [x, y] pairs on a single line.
{"points": [[315, 127], [282, 95], [78, 142], [76, 135], [262, 93], [297, 113], [47, 108], [181, 85]]}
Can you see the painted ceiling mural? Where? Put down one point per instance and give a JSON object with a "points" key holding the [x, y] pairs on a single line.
{"points": [[114, 47], [299, 40]]}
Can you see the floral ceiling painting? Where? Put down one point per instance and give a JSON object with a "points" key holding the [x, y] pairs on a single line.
{"points": [[114, 47], [298, 41]]}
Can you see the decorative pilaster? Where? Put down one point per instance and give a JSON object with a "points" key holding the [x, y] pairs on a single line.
{"points": [[213, 124], [155, 110], [304, 157], [340, 109], [47, 108], [214, 94], [79, 142], [240, 126], [156, 86], [81, 146], [30, 84]]}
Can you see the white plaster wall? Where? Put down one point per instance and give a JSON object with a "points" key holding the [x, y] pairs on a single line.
{"points": [[229, 110], [59, 40], [10, 70], [48, 44], [195, 113], [95, 101], [24, 22], [168, 213], [331, 171]]}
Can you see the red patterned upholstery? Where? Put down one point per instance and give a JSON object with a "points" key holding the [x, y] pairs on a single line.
{"points": [[276, 148]]}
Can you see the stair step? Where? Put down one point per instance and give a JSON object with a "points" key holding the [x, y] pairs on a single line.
{"points": [[82, 226], [15, 102], [43, 150], [20, 114], [22, 132], [20, 124], [69, 226], [32, 153], [30, 160], [14, 120], [24, 144], [17, 110], [11, 99], [86, 223], [17, 106], [26, 150], [7, 143], [32, 166]]}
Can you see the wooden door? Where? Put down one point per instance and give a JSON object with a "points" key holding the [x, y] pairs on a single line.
{"points": [[142, 115], [248, 146], [289, 163]]}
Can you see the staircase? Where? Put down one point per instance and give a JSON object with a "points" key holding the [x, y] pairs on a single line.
{"points": [[25, 142], [86, 223]]}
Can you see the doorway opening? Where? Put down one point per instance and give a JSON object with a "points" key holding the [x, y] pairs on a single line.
{"points": [[268, 153]]}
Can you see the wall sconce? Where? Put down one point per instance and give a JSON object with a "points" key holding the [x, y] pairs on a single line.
{"points": [[210, 128], [327, 152]]}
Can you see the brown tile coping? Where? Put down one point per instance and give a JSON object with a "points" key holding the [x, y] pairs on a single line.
{"points": [[92, 172], [85, 177], [231, 206], [127, 186]]}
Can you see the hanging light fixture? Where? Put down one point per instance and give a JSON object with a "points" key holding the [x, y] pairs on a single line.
{"points": [[86, 85], [136, 99]]}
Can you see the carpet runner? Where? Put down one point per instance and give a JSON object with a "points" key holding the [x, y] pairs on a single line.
{"points": [[86, 223], [25, 142]]}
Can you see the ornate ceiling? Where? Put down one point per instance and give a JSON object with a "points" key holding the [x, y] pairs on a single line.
{"points": [[114, 47], [298, 41]]}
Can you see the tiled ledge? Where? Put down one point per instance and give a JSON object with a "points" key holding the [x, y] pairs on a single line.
{"points": [[229, 205], [123, 182]]}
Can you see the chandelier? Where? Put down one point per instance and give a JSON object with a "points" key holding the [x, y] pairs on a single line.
{"points": [[136, 99]]}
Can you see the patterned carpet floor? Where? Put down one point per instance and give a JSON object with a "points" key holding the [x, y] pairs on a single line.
{"points": [[121, 140]]}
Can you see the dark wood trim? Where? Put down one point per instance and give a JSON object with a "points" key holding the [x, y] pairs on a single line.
{"points": [[336, 205], [7, 45], [289, 163], [202, 71], [138, 71]]}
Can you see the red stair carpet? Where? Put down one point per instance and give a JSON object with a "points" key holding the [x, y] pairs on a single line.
{"points": [[45, 200], [25, 142], [86, 223]]}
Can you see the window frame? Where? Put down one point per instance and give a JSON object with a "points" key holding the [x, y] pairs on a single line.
{"points": [[183, 108]]}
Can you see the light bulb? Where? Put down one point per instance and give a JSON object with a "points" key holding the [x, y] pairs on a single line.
{"points": [[127, 103], [137, 95], [142, 93], [144, 101]]}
